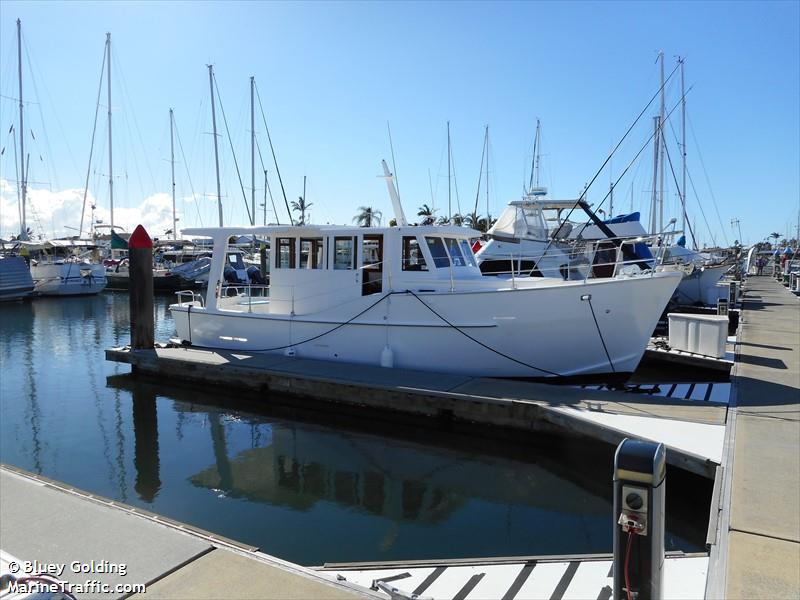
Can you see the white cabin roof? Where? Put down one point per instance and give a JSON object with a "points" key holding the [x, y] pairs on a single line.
{"points": [[322, 230]]}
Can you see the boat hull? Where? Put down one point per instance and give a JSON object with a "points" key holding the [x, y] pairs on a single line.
{"points": [[68, 279], [696, 286], [539, 329], [15, 279]]}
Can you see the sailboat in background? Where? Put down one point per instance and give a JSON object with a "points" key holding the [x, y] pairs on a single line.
{"points": [[58, 267], [702, 272]]}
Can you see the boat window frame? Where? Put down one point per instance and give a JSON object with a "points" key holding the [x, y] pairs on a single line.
{"points": [[430, 242], [316, 254], [279, 245], [405, 255], [451, 243], [467, 252], [353, 240]]}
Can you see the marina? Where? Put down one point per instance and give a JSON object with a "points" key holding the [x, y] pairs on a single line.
{"points": [[266, 333], [303, 386]]}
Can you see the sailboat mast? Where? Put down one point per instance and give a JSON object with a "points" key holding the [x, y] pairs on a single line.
{"points": [[265, 199], [110, 159], [654, 197], [661, 150], [172, 163], [487, 176], [449, 201], [216, 149], [253, 150], [536, 153], [683, 144], [23, 183]]}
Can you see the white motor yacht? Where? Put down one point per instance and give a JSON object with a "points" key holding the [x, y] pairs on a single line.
{"points": [[534, 236], [414, 297]]}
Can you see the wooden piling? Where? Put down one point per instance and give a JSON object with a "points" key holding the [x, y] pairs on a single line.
{"points": [[140, 255]]}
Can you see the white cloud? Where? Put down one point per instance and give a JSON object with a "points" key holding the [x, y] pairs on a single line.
{"points": [[53, 214]]}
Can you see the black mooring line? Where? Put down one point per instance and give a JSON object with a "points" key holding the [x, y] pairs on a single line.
{"points": [[671, 390], [688, 395], [429, 580], [469, 586], [522, 577], [566, 579]]}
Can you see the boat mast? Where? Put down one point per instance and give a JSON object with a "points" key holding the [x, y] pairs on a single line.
{"points": [[654, 196], [449, 202], [536, 153], [487, 176], [265, 199], [23, 185], [172, 163], [253, 151], [662, 145], [683, 135], [216, 150], [110, 161]]}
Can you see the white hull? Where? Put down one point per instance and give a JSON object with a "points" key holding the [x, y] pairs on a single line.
{"points": [[699, 284], [541, 329], [68, 279]]}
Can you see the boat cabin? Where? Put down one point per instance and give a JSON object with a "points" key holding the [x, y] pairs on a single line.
{"points": [[314, 268]]}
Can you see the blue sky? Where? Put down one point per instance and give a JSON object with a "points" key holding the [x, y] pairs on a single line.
{"points": [[331, 75]]}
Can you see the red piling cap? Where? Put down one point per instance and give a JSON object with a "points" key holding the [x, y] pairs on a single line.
{"points": [[139, 239]]}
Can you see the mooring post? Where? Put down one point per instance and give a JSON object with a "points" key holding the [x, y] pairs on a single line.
{"points": [[639, 498], [140, 255]]}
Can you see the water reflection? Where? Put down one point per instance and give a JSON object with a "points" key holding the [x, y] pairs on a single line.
{"points": [[307, 487], [145, 453]]}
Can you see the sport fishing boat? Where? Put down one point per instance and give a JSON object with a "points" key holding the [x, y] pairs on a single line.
{"points": [[414, 297], [535, 236]]}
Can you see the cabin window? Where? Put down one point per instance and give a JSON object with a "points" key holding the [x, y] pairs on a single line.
{"points": [[454, 252], [413, 260], [311, 253], [466, 250], [344, 258], [284, 257], [372, 264], [439, 254]]}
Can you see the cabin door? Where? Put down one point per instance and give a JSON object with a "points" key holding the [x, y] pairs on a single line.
{"points": [[372, 264]]}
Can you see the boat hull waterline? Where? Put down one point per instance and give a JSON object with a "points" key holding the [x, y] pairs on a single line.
{"points": [[535, 330]]}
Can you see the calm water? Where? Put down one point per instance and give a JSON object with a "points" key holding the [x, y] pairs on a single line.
{"points": [[299, 486]]}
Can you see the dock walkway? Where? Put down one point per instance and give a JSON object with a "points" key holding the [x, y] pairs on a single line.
{"points": [[761, 502], [45, 521]]}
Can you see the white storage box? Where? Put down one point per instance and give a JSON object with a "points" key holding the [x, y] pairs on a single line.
{"points": [[699, 334]]}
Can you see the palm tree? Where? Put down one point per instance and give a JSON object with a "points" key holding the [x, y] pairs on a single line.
{"points": [[366, 215], [474, 220], [457, 220], [300, 206], [427, 214]]}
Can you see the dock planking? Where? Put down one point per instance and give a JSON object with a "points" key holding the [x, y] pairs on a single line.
{"points": [[757, 550], [46, 521]]}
